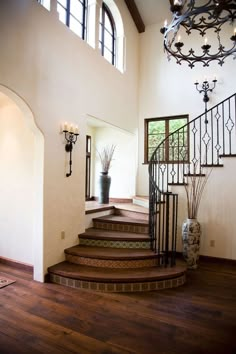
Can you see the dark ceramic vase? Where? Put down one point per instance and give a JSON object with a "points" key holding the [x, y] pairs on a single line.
{"points": [[104, 184]]}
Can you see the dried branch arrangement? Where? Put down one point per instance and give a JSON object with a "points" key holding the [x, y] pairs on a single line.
{"points": [[194, 187], [106, 156]]}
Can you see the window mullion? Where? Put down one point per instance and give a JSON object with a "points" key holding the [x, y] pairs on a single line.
{"points": [[113, 48], [84, 19], [103, 30], [68, 13]]}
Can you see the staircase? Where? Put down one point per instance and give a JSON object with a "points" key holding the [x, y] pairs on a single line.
{"points": [[115, 256], [135, 251], [199, 145]]}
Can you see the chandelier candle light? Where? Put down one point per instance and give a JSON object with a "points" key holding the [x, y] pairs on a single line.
{"points": [[212, 16], [71, 135]]}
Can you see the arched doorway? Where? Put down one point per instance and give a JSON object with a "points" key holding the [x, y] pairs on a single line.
{"points": [[21, 183]]}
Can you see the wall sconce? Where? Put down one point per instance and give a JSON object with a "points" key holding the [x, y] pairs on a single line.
{"points": [[205, 88], [71, 135]]}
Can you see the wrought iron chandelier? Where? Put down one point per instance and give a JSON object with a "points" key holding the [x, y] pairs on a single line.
{"points": [[202, 17]]}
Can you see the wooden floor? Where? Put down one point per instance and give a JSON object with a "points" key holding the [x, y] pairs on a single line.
{"points": [[199, 317]]}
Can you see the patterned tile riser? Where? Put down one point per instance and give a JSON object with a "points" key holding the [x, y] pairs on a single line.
{"points": [[105, 263], [121, 227], [119, 287], [114, 244]]}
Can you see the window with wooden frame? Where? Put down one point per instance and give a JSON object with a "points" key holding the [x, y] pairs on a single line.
{"points": [[88, 168], [107, 34], [73, 13], [175, 149]]}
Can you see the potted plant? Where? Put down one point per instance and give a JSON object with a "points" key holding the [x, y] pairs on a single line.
{"points": [[191, 229], [106, 156]]}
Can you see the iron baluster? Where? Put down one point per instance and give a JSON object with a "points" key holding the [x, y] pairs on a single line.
{"points": [[178, 159], [223, 127], [212, 139], [230, 131], [167, 229], [218, 135]]}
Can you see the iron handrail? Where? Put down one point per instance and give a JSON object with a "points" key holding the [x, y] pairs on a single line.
{"points": [[208, 136]]}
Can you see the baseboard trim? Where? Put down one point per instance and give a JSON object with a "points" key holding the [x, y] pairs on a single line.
{"points": [[16, 264], [120, 200], [218, 260], [211, 259]]}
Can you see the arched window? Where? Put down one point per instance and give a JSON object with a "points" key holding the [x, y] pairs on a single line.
{"points": [[73, 13], [107, 34]]}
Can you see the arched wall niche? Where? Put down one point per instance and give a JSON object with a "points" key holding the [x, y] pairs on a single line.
{"points": [[29, 249]]}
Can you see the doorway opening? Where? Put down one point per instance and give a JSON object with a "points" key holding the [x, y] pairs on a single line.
{"points": [[21, 154]]}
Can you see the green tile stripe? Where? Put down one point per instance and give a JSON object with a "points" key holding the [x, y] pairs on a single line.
{"points": [[115, 244]]}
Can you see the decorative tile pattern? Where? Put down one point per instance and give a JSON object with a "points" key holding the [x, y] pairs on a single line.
{"points": [[114, 244], [119, 287], [107, 263], [139, 229]]}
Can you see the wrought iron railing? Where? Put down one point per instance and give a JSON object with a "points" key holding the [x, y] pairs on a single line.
{"points": [[198, 145]]}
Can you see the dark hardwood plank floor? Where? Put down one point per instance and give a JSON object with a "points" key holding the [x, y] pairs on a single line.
{"points": [[199, 317]]}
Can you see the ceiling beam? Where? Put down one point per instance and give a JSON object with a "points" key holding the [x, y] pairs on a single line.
{"points": [[135, 15]]}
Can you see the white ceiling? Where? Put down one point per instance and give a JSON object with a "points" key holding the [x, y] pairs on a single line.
{"points": [[153, 11]]}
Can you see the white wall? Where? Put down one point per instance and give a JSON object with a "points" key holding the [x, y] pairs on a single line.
{"points": [[216, 213], [123, 165], [168, 89], [62, 79], [16, 184]]}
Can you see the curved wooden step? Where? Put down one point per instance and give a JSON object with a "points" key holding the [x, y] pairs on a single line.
{"points": [[112, 257], [142, 214], [115, 239], [121, 223], [117, 280], [94, 233]]}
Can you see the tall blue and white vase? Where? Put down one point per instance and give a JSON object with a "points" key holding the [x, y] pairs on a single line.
{"points": [[191, 234]]}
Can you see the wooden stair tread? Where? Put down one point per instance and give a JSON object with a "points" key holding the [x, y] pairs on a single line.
{"points": [[213, 165], [142, 197], [110, 253], [93, 233], [227, 155], [194, 174], [177, 184], [121, 220], [132, 208], [75, 271]]}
